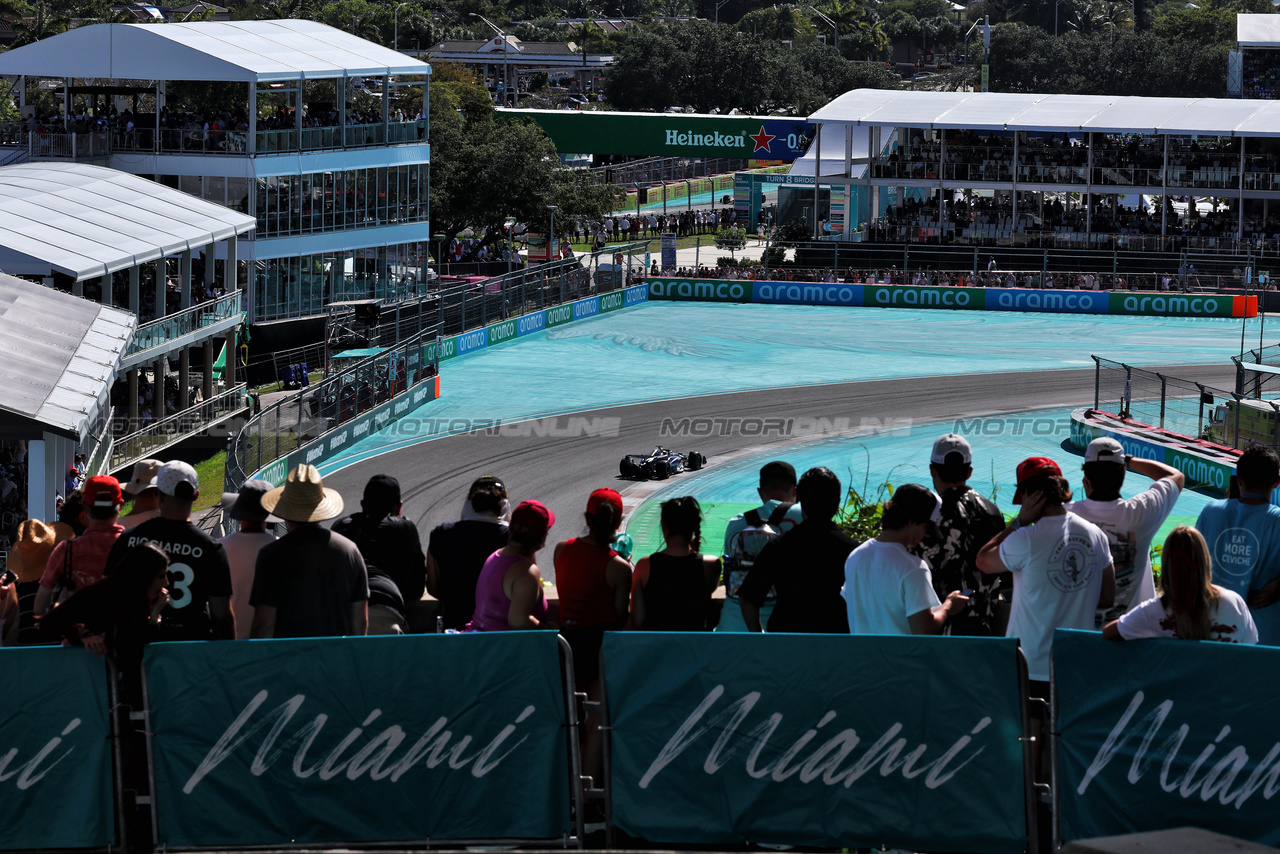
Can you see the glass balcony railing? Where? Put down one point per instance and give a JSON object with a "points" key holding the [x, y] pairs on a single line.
{"points": [[160, 332], [143, 443]]}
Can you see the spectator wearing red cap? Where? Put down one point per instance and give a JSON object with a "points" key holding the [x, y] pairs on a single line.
{"points": [[509, 592], [594, 583], [79, 563]]}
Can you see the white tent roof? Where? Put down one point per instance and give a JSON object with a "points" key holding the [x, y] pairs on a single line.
{"points": [[207, 50], [87, 221], [1258, 30], [58, 358], [1054, 113]]}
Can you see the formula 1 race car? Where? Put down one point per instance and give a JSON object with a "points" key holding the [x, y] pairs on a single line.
{"points": [[660, 464]]}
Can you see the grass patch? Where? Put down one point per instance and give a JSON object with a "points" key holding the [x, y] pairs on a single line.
{"points": [[212, 473]]}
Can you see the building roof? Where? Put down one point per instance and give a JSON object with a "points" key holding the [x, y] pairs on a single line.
{"points": [[512, 46], [1054, 113], [208, 50], [58, 357], [87, 221], [1258, 30]]}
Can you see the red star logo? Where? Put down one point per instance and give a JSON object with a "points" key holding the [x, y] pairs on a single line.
{"points": [[761, 140]]}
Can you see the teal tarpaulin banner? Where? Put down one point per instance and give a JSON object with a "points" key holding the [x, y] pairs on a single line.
{"points": [[359, 739], [55, 750], [1165, 733], [822, 740]]}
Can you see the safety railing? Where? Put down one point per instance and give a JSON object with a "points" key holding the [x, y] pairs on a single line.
{"points": [[1183, 406], [174, 428], [67, 146], [158, 333]]}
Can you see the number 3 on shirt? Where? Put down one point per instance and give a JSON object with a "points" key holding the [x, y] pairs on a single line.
{"points": [[180, 578]]}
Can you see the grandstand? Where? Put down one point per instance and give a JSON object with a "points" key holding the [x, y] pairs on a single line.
{"points": [[1258, 45]]}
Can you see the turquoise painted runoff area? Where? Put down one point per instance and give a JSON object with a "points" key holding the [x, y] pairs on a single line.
{"points": [[661, 351]]}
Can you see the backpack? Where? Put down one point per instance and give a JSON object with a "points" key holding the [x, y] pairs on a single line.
{"points": [[747, 544]]}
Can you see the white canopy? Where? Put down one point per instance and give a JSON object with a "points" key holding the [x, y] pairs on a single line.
{"points": [[1258, 30], [1054, 113], [87, 221], [207, 50], [58, 359]]}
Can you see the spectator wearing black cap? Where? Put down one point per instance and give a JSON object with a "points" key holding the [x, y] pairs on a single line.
{"points": [[79, 563], [457, 551], [966, 522], [391, 549], [888, 590], [805, 565], [245, 508], [780, 512], [199, 575]]}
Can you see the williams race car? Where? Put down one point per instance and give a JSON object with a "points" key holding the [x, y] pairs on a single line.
{"points": [[662, 463]]}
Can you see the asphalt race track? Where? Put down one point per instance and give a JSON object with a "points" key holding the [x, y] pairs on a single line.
{"points": [[561, 471]]}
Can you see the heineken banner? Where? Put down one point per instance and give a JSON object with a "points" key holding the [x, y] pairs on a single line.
{"points": [[1166, 733], [817, 740], [988, 299], [380, 739], [55, 750]]}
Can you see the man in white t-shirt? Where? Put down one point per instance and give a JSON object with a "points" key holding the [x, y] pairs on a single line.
{"points": [[1061, 565], [888, 590], [1129, 523]]}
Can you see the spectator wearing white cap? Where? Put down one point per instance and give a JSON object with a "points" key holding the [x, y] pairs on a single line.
{"points": [[311, 582], [966, 521], [146, 497], [888, 590], [199, 575], [245, 508], [79, 563], [1129, 523]]}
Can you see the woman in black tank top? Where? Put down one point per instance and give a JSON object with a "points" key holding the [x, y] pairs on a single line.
{"points": [[673, 587]]}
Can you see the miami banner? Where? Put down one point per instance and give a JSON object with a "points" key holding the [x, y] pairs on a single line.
{"points": [[818, 740], [55, 750], [1165, 733], [378, 739]]}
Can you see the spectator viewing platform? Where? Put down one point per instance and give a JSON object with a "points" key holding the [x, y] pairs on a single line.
{"points": [[1258, 40], [1054, 170]]}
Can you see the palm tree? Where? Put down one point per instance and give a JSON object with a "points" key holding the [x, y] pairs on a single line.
{"points": [[40, 22]]}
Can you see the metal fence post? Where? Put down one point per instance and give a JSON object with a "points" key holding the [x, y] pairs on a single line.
{"points": [[1163, 388]]}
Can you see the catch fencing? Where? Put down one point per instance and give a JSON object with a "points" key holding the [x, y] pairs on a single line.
{"points": [[1168, 403]]}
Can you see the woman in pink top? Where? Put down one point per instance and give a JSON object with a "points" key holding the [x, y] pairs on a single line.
{"points": [[509, 591]]}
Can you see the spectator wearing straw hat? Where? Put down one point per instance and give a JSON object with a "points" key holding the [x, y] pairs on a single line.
{"points": [[199, 576], [27, 561], [311, 582], [146, 497], [79, 563], [243, 546]]}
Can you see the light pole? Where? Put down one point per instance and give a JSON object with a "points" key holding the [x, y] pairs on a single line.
{"points": [[395, 17], [551, 237], [505, 45], [829, 22], [719, 3]]}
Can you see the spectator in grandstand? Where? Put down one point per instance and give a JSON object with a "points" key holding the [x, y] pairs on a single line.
{"points": [[1244, 539], [311, 582], [509, 591], [1129, 523], [1190, 606], [142, 488], [457, 551], [805, 565], [27, 561], [1061, 565], [76, 564], [594, 583], [966, 522], [391, 548], [887, 590], [118, 615], [745, 536], [242, 546], [671, 589], [200, 578]]}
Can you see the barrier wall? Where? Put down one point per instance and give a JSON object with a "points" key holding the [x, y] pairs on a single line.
{"points": [[1173, 734], [349, 740], [956, 298], [1198, 469], [822, 740], [55, 750]]}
